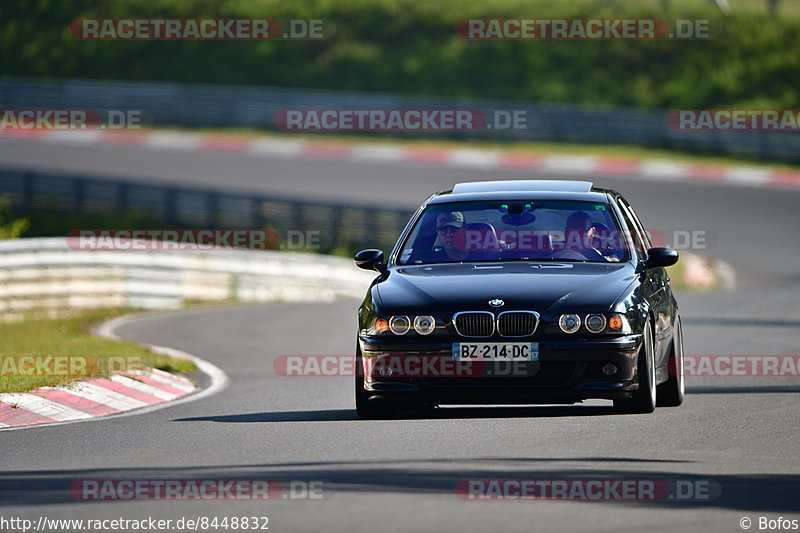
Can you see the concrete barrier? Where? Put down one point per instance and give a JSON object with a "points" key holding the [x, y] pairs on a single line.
{"points": [[45, 274]]}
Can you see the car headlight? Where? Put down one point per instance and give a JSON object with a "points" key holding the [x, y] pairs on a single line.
{"points": [[402, 324], [595, 323], [569, 323], [424, 324], [399, 325]]}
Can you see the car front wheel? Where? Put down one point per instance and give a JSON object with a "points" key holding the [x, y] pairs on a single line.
{"points": [[644, 398], [671, 392]]}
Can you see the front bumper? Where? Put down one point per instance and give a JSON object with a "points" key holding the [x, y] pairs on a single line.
{"points": [[568, 371]]}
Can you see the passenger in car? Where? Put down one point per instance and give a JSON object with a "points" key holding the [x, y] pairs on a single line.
{"points": [[579, 232]]}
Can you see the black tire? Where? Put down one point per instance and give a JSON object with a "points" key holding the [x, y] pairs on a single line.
{"points": [[672, 391], [644, 399], [373, 409]]}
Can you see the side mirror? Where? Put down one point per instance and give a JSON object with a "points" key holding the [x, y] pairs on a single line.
{"points": [[661, 256], [370, 260]]}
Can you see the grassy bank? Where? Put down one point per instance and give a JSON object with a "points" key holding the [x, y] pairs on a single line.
{"points": [[69, 336]]}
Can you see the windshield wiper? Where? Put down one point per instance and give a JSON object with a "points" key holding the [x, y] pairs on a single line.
{"points": [[538, 260]]}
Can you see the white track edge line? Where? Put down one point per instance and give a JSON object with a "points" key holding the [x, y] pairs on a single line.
{"points": [[217, 376]]}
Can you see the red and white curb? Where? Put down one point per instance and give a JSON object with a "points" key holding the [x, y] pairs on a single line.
{"points": [[92, 398], [569, 165], [703, 274], [125, 393]]}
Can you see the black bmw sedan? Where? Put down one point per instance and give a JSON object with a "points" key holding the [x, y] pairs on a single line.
{"points": [[519, 292]]}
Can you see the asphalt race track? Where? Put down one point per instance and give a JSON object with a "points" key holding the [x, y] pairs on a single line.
{"points": [[738, 436]]}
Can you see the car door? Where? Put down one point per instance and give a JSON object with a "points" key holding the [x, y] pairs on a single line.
{"points": [[659, 295]]}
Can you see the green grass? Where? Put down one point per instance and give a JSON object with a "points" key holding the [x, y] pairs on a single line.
{"points": [[410, 47], [677, 276], [70, 336]]}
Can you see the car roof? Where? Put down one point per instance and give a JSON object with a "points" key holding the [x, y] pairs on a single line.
{"points": [[520, 190], [523, 186]]}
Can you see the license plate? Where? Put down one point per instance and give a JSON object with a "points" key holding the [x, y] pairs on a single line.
{"points": [[496, 351]]}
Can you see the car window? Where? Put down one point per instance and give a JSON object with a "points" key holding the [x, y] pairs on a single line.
{"points": [[557, 230], [633, 229], [636, 220]]}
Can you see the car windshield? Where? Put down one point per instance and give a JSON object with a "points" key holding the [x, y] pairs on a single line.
{"points": [[518, 230]]}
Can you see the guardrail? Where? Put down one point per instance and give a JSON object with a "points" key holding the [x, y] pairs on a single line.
{"points": [[45, 274], [67, 199], [170, 104]]}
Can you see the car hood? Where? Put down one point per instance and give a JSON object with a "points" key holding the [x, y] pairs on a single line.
{"points": [[543, 287]]}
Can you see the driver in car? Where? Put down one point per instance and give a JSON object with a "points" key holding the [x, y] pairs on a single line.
{"points": [[450, 236]]}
